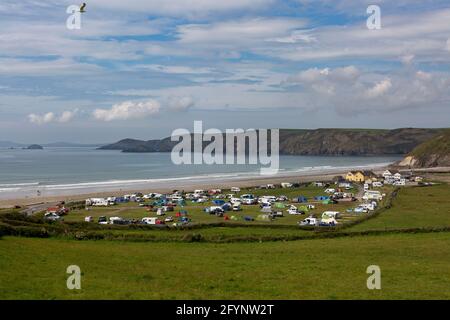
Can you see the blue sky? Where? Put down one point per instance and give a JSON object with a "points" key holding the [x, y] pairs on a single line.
{"points": [[141, 69]]}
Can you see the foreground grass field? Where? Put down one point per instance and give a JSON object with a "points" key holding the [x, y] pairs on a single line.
{"points": [[412, 266]]}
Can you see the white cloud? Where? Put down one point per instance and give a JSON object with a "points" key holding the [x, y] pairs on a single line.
{"points": [[128, 110], [41, 119], [50, 117], [67, 116], [238, 32], [180, 103], [379, 88], [352, 91]]}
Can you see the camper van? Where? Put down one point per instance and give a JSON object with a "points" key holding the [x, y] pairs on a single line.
{"points": [[377, 184], [267, 199], [249, 199], [309, 222], [372, 195], [148, 220], [331, 214]]}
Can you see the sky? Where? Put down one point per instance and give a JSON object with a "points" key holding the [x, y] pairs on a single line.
{"points": [[141, 69]]}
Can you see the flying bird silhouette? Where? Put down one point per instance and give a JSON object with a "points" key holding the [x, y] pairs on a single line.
{"points": [[82, 7]]}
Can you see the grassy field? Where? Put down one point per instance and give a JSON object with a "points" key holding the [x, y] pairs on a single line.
{"points": [[412, 266], [414, 207]]}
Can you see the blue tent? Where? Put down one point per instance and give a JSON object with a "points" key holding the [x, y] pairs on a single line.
{"points": [[302, 199], [227, 207], [218, 202], [321, 198]]}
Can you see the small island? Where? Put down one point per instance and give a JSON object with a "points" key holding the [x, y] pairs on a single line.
{"points": [[34, 147]]}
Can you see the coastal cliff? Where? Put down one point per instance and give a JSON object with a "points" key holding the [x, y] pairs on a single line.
{"points": [[333, 142], [434, 152]]}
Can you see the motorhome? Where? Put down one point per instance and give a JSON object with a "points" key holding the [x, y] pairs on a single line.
{"points": [[267, 199], [372, 195], [331, 214], [249, 199], [149, 220]]}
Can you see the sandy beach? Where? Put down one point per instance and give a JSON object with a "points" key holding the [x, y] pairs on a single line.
{"points": [[430, 173]]}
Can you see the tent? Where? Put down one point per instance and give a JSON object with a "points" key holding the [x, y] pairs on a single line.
{"points": [[264, 217], [327, 201], [247, 218], [303, 208], [279, 205], [227, 207], [218, 202], [301, 199], [266, 210], [321, 198]]}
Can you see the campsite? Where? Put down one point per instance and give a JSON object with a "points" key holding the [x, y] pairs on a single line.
{"points": [[405, 234]]}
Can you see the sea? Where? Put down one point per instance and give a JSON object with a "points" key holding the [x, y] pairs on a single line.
{"points": [[70, 171]]}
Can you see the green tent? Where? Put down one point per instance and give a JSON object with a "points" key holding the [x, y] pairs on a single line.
{"points": [[279, 205], [328, 201], [263, 217], [303, 208]]}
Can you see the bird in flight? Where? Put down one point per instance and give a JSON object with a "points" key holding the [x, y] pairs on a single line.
{"points": [[82, 7]]}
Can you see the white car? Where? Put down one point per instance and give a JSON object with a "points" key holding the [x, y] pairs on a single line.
{"points": [[52, 216], [237, 207], [309, 222], [89, 219]]}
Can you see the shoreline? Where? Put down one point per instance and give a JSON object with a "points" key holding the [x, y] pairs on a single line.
{"points": [[169, 186]]}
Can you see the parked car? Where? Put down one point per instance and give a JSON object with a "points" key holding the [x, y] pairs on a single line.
{"points": [[102, 220], [52, 216], [309, 222]]}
